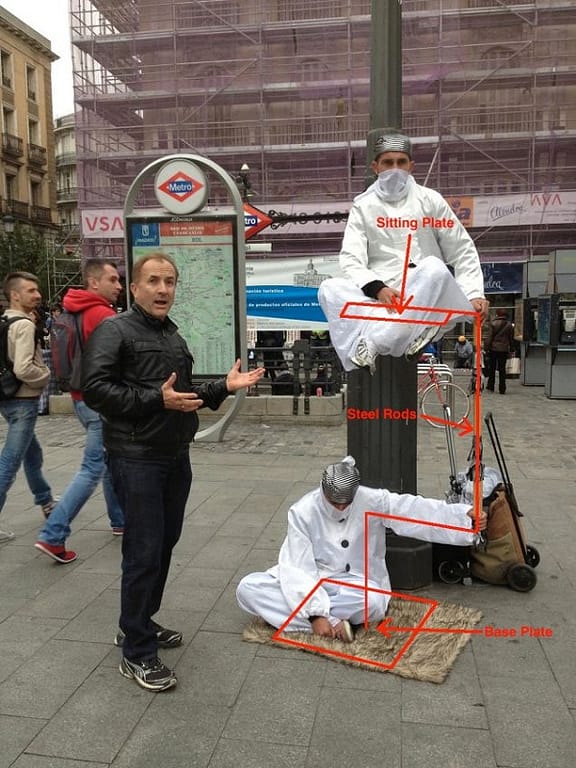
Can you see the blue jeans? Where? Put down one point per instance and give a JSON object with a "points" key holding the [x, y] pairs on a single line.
{"points": [[21, 446], [153, 492], [93, 469]]}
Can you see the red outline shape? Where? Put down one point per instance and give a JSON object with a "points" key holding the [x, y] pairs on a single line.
{"points": [[465, 426], [181, 196], [330, 652], [385, 628]]}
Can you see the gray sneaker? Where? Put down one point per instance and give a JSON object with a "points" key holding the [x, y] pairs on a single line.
{"points": [[414, 349], [151, 674], [166, 638], [365, 355]]}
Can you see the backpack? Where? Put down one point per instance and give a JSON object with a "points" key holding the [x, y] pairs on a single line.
{"points": [[66, 347], [9, 384]]}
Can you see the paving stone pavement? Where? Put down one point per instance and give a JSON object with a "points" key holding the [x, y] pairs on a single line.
{"points": [[508, 703]]}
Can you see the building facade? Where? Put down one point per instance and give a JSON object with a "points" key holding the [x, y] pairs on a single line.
{"points": [[283, 86], [27, 169]]}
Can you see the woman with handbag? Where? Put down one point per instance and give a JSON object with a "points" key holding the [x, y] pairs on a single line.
{"points": [[498, 346]]}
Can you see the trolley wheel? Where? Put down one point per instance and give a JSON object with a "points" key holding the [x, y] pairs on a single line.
{"points": [[532, 556], [451, 571], [437, 396], [521, 577]]}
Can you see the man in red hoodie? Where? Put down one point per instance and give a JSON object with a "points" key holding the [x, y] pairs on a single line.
{"points": [[93, 303]]}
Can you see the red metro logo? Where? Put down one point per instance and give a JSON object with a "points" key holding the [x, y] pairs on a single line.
{"points": [[180, 186]]}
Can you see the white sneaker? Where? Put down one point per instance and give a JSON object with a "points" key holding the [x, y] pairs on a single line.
{"points": [[365, 355], [347, 631], [415, 347], [6, 536]]}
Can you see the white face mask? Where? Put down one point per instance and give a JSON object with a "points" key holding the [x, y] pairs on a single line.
{"points": [[393, 185]]}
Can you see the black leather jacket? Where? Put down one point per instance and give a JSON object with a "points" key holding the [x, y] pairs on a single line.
{"points": [[126, 360]]}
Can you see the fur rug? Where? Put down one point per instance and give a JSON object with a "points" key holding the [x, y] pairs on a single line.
{"points": [[428, 658]]}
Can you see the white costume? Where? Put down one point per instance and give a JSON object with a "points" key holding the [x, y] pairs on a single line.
{"points": [[374, 248], [323, 542]]}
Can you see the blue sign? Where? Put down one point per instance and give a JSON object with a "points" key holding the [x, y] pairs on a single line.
{"points": [[145, 234], [179, 187], [287, 302], [503, 277]]}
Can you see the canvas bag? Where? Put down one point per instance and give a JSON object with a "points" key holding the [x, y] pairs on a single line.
{"points": [[513, 366]]}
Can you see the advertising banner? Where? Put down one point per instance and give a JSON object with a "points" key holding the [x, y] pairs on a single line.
{"points": [[516, 210], [282, 294]]}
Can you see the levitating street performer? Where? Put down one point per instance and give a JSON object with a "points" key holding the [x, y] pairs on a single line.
{"points": [[325, 539], [373, 256]]}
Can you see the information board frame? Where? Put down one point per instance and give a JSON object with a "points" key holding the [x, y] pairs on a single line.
{"points": [[135, 249], [193, 170]]}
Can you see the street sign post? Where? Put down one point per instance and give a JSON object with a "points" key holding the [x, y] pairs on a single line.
{"points": [[208, 249]]}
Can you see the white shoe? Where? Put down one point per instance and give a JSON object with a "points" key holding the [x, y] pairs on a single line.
{"points": [[344, 625], [415, 347], [6, 536], [365, 355]]}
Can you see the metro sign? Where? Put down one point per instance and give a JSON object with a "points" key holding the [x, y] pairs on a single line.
{"points": [[181, 186], [255, 221]]}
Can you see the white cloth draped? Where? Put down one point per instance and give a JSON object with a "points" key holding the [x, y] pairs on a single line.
{"points": [[430, 283], [374, 248]]}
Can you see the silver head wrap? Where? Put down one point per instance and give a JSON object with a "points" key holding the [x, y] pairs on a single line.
{"points": [[392, 142], [340, 481]]}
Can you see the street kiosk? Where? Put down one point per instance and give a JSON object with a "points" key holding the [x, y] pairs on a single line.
{"points": [[557, 326], [532, 351]]}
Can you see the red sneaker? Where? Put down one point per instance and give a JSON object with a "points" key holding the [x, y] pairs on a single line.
{"points": [[56, 552], [117, 531]]}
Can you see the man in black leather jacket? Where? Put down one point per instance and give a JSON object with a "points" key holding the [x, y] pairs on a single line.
{"points": [[137, 373]]}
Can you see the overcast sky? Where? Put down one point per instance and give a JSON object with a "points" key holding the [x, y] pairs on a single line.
{"points": [[50, 18]]}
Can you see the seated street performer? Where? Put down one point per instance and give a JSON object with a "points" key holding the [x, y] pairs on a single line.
{"points": [[373, 257], [325, 539]]}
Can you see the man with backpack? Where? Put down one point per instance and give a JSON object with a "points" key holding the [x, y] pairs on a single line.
{"points": [[23, 377], [89, 306]]}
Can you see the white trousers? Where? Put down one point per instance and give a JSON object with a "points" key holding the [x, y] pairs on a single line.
{"points": [[261, 595], [431, 284]]}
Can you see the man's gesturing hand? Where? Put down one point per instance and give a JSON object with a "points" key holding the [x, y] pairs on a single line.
{"points": [[179, 401], [236, 380]]}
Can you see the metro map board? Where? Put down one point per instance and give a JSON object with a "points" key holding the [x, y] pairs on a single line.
{"points": [[204, 309]]}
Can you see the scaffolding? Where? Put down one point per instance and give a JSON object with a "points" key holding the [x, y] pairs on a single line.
{"points": [[283, 86]]}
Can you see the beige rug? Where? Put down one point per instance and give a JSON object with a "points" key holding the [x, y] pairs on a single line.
{"points": [[426, 656]]}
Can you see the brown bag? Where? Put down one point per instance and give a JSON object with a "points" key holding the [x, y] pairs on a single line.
{"points": [[504, 547]]}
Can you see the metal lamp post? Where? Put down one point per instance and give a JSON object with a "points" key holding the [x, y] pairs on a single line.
{"points": [[9, 223]]}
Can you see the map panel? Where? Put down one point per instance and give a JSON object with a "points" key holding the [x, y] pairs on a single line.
{"points": [[204, 307]]}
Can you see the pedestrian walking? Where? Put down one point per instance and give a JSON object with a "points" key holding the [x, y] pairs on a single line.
{"points": [[498, 345], [91, 305], [20, 412]]}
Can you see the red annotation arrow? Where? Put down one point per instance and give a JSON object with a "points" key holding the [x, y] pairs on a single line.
{"points": [[464, 426], [401, 303], [386, 628]]}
